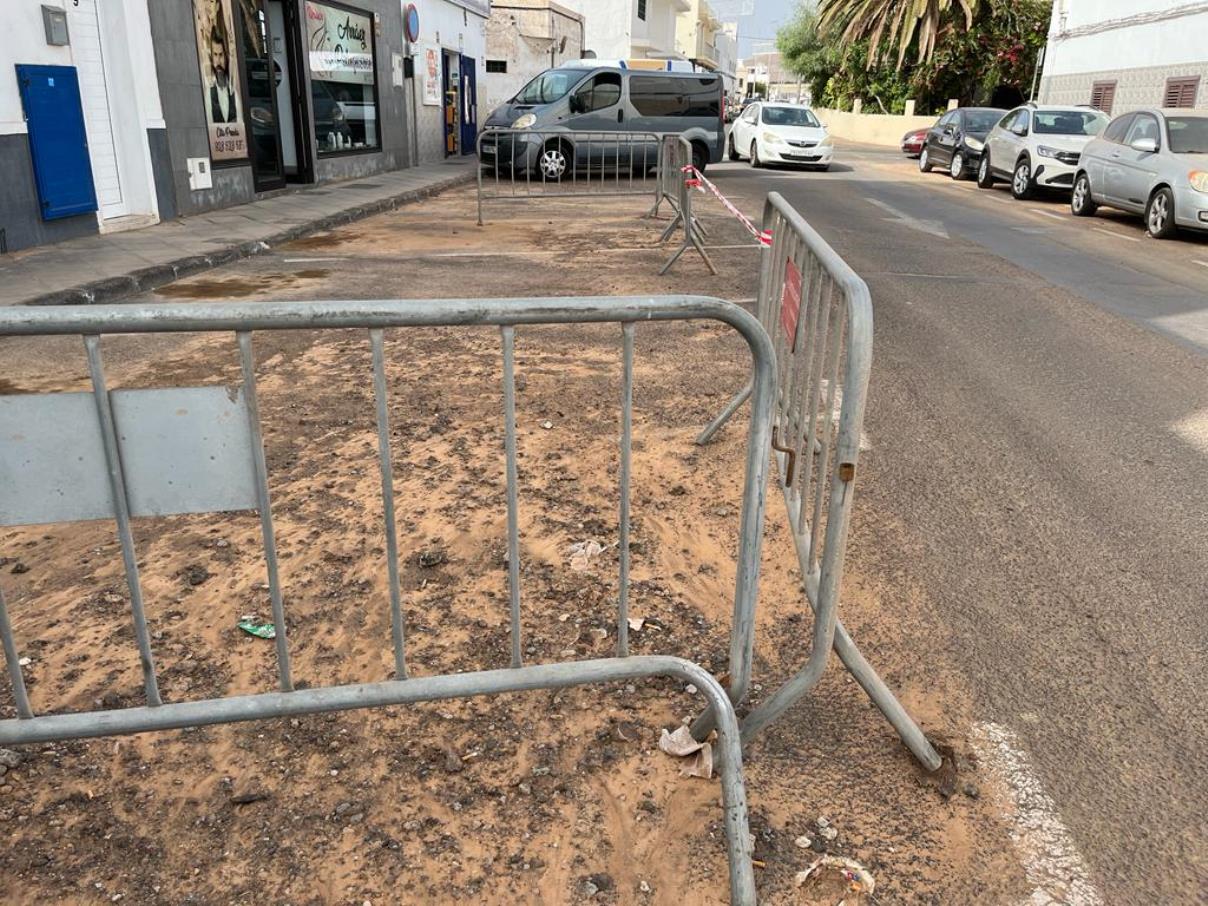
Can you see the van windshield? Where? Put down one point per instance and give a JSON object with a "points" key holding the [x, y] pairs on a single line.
{"points": [[788, 116], [550, 86]]}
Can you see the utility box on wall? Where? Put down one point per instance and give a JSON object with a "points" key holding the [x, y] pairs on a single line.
{"points": [[200, 174]]}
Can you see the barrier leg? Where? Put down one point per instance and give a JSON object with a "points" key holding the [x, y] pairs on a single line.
{"points": [[724, 416]]}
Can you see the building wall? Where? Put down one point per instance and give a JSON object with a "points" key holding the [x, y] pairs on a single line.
{"points": [[608, 25], [134, 116], [1139, 44], [455, 28], [527, 35]]}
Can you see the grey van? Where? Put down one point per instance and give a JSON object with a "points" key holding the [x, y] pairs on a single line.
{"points": [[583, 98]]}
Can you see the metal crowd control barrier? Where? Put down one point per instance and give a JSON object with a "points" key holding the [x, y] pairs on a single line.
{"points": [[124, 454], [675, 185], [819, 314], [537, 164]]}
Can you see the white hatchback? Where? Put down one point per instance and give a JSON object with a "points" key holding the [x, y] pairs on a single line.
{"points": [[1038, 146], [775, 133]]}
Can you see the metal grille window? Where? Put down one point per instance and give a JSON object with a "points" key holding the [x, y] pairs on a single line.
{"points": [[497, 65], [1103, 95], [1181, 92], [642, 10]]}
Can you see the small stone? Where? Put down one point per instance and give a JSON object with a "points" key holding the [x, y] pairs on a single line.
{"points": [[19, 568], [25, 662], [452, 763], [432, 557], [644, 887], [971, 790], [829, 833], [590, 889], [823, 822], [803, 842], [343, 807], [722, 511], [222, 542], [547, 424], [690, 689]]}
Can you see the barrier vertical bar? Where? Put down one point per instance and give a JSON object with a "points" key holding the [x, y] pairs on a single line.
{"points": [[13, 662], [383, 429], [509, 435], [121, 512], [260, 467], [626, 457]]}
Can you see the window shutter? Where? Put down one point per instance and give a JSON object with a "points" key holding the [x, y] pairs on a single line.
{"points": [[1103, 95], [1181, 92]]}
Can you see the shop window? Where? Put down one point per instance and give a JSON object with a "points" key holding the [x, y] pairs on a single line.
{"points": [[343, 85], [497, 65]]}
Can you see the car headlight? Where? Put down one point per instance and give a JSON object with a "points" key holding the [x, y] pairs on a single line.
{"points": [[974, 144], [771, 138], [826, 142], [1198, 180], [525, 121], [1046, 151]]}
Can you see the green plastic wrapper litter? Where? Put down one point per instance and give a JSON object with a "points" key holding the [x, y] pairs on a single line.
{"points": [[259, 630]]}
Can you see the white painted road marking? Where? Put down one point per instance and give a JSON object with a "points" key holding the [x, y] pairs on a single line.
{"points": [[1194, 428], [934, 227], [1047, 213], [1199, 262], [310, 260], [1051, 861], [1115, 234]]}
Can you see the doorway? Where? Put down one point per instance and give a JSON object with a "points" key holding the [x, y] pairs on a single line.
{"points": [[468, 85], [451, 86]]}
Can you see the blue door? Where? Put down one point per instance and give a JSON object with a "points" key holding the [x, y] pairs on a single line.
{"points": [[469, 105], [57, 142]]}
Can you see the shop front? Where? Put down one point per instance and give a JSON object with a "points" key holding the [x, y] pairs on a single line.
{"points": [[449, 54], [278, 93]]}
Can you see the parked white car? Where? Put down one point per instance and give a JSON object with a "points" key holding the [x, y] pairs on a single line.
{"points": [[1038, 146], [775, 133]]}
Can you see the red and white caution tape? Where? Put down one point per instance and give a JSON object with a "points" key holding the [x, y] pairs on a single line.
{"points": [[694, 179]]}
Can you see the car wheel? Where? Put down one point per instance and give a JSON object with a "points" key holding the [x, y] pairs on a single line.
{"points": [[731, 151], [1159, 214], [755, 161], [985, 176], [1082, 204], [1022, 184], [924, 161], [700, 157], [956, 169], [553, 162]]}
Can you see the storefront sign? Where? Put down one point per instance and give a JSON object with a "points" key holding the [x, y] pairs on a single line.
{"points": [[220, 78], [430, 73], [340, 44]]}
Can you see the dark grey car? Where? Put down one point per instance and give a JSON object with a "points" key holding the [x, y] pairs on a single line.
{"points": [[956, 141]]}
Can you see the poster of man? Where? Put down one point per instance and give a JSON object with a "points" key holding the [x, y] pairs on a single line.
{"points": [[431, 75], [220, 78]]}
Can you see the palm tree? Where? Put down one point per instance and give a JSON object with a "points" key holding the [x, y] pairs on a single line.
{"points": [[899, 21]]}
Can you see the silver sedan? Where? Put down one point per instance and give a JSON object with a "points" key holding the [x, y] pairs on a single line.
{"points": [[1148, 162]]}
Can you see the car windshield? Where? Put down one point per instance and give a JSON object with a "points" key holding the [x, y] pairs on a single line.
{"points": [[1188, 134], [1068, 122], [981, 120], [788, 116], [550, 86]]}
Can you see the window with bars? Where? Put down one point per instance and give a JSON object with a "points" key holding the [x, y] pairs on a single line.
{"points": [[1181, 92], [1103, 95], [497, 65], [642, 10]]}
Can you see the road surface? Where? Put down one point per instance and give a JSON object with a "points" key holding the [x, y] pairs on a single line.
{"points": [[1039, 472]]}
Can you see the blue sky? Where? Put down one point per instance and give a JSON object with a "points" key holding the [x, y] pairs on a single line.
{"points": [[756, 30]]}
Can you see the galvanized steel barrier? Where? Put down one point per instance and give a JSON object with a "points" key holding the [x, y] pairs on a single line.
{"points": [[125, 454], [819, 314], [547, 164]]}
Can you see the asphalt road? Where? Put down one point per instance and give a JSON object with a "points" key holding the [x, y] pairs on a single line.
{"points": [[1039, 470]]}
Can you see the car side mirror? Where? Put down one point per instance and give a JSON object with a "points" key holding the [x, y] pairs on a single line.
{"points": [[1145, 145], [1020, 130]]}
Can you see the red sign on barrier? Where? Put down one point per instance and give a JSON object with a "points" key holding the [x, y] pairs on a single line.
{"points": [[790, 302]]}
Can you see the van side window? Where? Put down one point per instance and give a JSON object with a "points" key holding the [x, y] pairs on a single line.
{"points": [[661, 96], [597, 93]]}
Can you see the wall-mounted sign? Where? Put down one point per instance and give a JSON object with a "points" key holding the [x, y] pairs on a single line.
{"points": [[220, 78], [340, 44], [411, 23], [430, 73]]}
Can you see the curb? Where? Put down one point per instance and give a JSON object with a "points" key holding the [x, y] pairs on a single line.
{"points": [[114, 289]]}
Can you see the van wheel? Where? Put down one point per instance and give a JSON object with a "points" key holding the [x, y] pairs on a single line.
{"points": [[700, 157], [553, 162], [755, 161], [731, 151], [1159, 214], [1082, 203]]}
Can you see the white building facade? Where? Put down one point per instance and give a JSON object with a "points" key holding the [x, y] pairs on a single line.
{"points": [[523, 39], [1119, 55], [450, 74], [630, 29], [104, 48]]}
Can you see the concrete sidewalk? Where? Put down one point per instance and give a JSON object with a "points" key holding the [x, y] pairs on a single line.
{"points": [[108, 267]]}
